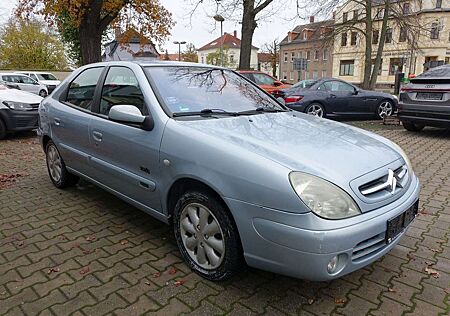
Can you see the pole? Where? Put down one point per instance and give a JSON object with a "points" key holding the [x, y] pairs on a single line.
{"points": [[179, 51], [221, 43]]}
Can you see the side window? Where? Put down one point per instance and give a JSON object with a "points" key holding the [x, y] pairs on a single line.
{"points": [[82, 88], [322, 87], [345, 87], [121, 87], [26, 80], [263, 79], [248, 76], [34, 77]]}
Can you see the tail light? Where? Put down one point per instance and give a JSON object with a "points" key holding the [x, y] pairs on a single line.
{"points": [[293, 99]]}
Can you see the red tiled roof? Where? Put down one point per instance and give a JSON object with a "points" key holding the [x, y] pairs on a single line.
{"points": [[264, 57], [173, 57], [229, 40]]}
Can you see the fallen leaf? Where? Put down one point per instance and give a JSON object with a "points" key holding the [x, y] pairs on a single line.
{"points": [[148, 283], [429, 263], [85, 270], [436, 250], [447, 290], [156, 274], [124, 242], [310, 301], [432, 272], [392, 290], [91, 238], [179, 282], [339, 300], [54, 269], [20, 243], [172, 270]]}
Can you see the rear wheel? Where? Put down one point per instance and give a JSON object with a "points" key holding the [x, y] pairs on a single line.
{"points": [[43, 93], [315, 109], [2, 129], [56, 167], [412, 127], [207, 236], [385, 108]]}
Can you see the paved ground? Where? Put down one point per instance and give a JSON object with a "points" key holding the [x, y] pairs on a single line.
{"points": [[82, 251]]}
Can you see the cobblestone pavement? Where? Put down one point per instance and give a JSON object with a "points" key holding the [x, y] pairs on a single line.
{"points": [[84, 252]]}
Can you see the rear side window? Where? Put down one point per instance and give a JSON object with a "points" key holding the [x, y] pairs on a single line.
{"points": [[121, 88], [249, 76], [263, 79], [82, 88]]}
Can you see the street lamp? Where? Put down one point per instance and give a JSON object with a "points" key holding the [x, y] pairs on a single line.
{"points": [[179, 48], [220, 19]]}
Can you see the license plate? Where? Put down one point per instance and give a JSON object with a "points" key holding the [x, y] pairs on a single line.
{"points": [[397, 224], [429, 96]]}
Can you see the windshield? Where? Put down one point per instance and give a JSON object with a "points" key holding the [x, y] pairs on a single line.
{"points": [[46, 77], [304, 84], [193, 89]]}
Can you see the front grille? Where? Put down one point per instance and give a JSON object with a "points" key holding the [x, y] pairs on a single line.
{"points": [[34, 105], [369, 247], [26, 122], [393, 181]]}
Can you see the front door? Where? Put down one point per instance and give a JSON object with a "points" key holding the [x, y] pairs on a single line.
{"points": [[125, 158], [337, 96], [28, 84]]}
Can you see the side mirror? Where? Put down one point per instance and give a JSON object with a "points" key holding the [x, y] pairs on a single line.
{"points": [[130, 114], [277, 83], [356, 91]]}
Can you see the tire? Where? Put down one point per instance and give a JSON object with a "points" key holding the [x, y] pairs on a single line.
{"points": [[219, 261], [385, 108], [413, 127], [43, 93], [56, 168], [2, 129], [315, 109]]}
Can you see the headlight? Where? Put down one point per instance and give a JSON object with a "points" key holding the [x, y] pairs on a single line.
{"points": [[17, 105], [322, 197]]}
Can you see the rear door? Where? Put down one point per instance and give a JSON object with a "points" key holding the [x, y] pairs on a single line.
{"points": [[70, 118], [27, 84], [125, 157]]}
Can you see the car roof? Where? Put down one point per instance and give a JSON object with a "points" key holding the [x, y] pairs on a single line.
{"points": [[152, 63], [33, 72]]}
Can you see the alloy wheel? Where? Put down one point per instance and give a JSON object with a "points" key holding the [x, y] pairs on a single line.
{"points": [[202, 236], [385, 109], [42, 93], [54, 163], [315, 109]]}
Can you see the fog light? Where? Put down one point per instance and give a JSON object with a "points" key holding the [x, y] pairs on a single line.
{"points": [[332, 265]]}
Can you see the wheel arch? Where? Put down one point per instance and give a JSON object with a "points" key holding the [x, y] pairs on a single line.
{"points": [[45, 140]]}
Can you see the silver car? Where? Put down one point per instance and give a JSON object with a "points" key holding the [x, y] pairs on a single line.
{"points": [[242, 179], [25, 83]]}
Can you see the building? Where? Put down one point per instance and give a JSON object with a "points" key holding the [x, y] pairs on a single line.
{"points": [[266, 63], [432, 46], [171, 57], [307, 41], [127, 46], [231, 51]]}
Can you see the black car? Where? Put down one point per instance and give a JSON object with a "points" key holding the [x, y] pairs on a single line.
{"points": [[425, 101], [331, 97]]}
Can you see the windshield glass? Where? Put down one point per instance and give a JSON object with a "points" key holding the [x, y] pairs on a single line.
{"points": [[193, 89], [304, 84], [46, 77]]}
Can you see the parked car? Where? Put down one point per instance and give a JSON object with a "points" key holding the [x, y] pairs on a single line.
{"points": [[425, 101], [46, 78], [240, 177], [18, 110], [25, 83], [265, 81], [331, 97]]}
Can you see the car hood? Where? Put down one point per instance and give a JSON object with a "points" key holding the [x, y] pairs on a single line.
{"points": [[50, 82], [19, 96], [301, 142]]}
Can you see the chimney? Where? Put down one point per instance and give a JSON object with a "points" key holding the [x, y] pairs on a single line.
{"points": [[117, 32], [235, 33], [311, 19]]}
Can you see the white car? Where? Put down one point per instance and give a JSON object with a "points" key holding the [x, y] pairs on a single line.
{"points": [[18, 110], [24, 83], [46, 78]]}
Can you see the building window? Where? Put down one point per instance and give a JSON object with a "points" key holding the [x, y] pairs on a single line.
{"points": [[345, 17], [306, 74], [379, 68], [353, 37], [316, 54], [344, 39], [395, 65], [346, 68], [300, 55], [305, 35], [308, 55], [438, 4], [325, 54], [292, 56], [449, 36], [380, 13], [388, 38], [375, 36], [315, 75], [291, 75], [232, 59], [406, 8], [284, 75], [285, 57], [402, 35], [324, 73], [355, 15], [203, 60], [434, 31]]}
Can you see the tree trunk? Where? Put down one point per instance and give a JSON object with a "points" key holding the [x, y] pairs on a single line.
{"points": [[377, 63], [90, 46], [248, 28], [368, 48]]}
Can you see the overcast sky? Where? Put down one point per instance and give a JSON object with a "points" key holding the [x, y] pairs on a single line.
{"points": [[202, 29]]}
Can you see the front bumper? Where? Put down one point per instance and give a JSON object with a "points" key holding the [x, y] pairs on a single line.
{"points": [[19, 120], [287, 243]]}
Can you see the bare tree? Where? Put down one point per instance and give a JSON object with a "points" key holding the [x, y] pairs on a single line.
{"points": [[273, 49]]}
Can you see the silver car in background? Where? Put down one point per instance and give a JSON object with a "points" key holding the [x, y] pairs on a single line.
{"points": [[25, 83], [241, 178]]}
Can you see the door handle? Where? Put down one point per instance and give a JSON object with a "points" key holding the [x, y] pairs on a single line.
{"points": [[57, 121], [332, 95], [97, 136]]}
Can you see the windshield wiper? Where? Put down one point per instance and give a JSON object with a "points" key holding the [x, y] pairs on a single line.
{"points": [[261, 110], [206, 112]]}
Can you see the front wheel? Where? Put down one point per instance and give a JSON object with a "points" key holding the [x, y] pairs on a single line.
{"points": [[385, 108], [207, 236], [413, 127], [56, 167], [315, 109], [43, 93]]}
